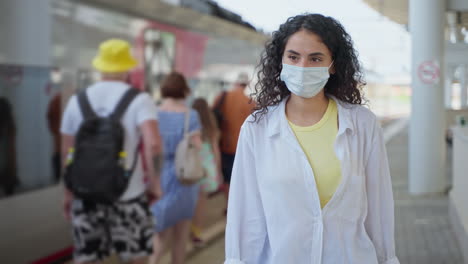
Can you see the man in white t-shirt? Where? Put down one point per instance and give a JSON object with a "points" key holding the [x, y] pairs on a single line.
{"points": [[126, 226]]}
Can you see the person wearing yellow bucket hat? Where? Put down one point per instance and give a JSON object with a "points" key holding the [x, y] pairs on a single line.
{"points": [[111, 113], [114, 57]]}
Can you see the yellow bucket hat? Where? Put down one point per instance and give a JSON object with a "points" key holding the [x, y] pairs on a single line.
{"points": [[114, 56]]}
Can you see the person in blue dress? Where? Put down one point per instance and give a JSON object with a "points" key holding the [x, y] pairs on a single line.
{"points": [[174, 211]]}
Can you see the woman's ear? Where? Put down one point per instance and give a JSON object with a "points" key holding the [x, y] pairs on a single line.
{"points": [[332, 68]]}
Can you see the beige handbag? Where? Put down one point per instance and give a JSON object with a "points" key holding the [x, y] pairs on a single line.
{"points": [[188, 162]]}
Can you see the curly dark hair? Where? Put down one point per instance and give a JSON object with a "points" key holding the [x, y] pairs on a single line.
{"points": [[347, 82]]}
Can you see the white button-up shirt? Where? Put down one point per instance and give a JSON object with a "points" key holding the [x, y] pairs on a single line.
{"points": [[274, 213]]}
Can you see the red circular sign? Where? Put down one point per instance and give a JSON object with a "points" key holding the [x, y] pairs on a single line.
{"points": [[429, 72]]}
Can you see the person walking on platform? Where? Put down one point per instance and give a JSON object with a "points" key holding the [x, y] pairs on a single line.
{"points": [[174, 211], [54, 115], [105, 192], [231, 109], [9, 180], [311, 181], [211, 158]]}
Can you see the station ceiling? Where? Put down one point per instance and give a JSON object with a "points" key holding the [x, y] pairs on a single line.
{"points": [[397, 10], [181, 17]]}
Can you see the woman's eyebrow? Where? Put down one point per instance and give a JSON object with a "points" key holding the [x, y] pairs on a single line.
{"points": [[294, 52], [311, 54], [316, 54]]}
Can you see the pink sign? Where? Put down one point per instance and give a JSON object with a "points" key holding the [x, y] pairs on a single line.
{"points": [[429, 72]]}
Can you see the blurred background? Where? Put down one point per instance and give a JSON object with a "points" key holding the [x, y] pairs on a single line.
{"points": [[414, 54]]}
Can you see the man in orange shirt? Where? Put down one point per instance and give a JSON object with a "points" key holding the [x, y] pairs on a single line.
{"points": [[233, 107]]}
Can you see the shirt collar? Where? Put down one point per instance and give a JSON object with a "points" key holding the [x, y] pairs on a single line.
{"points": [[278, 124]]}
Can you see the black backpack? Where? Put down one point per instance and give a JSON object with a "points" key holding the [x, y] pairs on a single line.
{"points": [[96, 171]]}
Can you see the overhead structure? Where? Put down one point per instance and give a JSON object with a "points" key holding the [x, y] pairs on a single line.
{"points": [[180, 16], [398, 10]]}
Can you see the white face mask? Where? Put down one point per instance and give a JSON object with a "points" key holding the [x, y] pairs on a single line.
{"points": [[305, 82]]}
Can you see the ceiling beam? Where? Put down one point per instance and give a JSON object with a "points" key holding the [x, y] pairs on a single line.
{"points": [[455, 53], [179, 16], [397, 10], [457, 5]]}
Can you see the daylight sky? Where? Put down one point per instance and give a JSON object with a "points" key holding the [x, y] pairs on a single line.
{"points": [[383, 45]]}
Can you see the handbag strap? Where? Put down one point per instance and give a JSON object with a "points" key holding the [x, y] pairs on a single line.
{"points": [[186, 122]]}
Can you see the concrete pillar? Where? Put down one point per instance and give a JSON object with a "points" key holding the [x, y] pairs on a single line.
{"points": [[448, 87], [426, 133], [26, 27], [463, 85]]}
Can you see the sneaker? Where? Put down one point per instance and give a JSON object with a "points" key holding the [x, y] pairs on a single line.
{"points": [[195, 235]]}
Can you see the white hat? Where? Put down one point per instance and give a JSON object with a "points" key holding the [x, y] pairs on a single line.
{"points": [[243, 78]]}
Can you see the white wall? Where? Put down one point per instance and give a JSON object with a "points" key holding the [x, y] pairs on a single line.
{"points": [[458, 196], [26, 25], [33, 139], [26, 30], [31, 224]]}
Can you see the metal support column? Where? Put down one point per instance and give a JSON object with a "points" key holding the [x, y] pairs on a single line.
{"points": [[448, 87], [463, 85], [426, 134]]}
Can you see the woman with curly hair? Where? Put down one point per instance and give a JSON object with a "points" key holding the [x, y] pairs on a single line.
{"points": [[310, 182]]}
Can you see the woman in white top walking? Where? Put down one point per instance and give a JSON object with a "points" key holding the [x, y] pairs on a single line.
{"points": [[310, 182]]}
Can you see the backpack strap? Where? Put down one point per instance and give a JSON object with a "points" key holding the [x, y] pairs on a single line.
{"points": [[119, 110], [124, 102], [85, 106]]}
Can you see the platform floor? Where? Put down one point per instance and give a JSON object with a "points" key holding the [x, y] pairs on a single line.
{"points": [[423, 231], [422, 224]]}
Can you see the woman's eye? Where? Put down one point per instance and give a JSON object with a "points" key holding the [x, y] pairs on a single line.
{"points": [[292, 57], [316, 59]]}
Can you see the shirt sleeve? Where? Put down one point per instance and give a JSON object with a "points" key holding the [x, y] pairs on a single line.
{"points": [[246, 235], [147, 109], [379, 222], [72, 117]]}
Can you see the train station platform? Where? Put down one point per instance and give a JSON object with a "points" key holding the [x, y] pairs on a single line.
{"points": [[422, 225], [423, 233]]}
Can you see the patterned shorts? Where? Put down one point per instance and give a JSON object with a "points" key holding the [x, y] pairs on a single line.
{"points": [[125, 228]]}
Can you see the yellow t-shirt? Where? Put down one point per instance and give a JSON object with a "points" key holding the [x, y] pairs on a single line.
{"points": [[317, 142]]}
